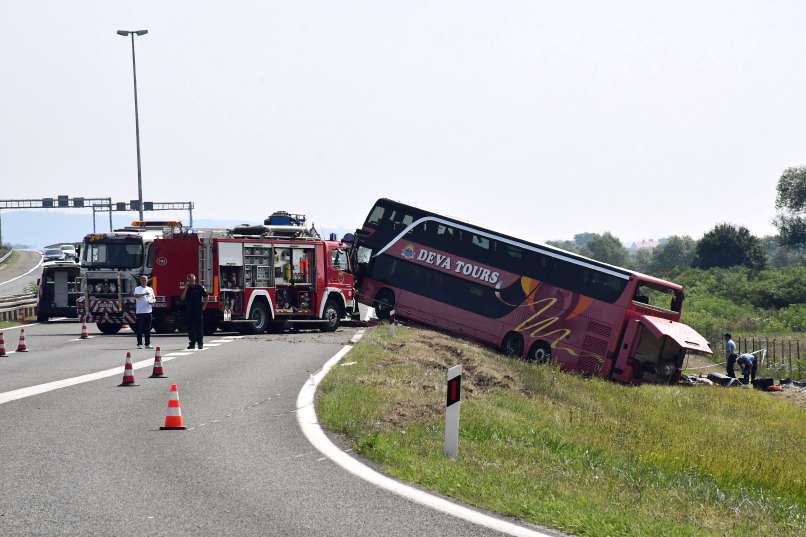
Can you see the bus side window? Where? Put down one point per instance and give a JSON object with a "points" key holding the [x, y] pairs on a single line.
{"points": [[480, 242], [376, 216]]}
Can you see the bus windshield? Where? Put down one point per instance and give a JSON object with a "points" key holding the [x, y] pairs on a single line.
{"points": [[114, 253], [658, 296]]}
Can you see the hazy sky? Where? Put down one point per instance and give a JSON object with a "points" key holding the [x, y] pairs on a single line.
{"points": [[541, 119]]}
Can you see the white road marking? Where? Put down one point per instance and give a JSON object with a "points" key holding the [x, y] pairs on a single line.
{"points": [[29, 324], [79, 339], [357, 337], [30, 391], [306, 418], [234, 337], [41, 259], [206, 345], [222, 341]]}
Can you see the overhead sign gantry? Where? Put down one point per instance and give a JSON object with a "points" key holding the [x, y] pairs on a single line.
{"points": [[96, 204]]}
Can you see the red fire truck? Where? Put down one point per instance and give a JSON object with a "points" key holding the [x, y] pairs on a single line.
{"points": [[258, 277]]}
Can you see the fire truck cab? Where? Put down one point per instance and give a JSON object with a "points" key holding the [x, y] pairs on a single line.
{"points": [[111, 263], [257, 277]]}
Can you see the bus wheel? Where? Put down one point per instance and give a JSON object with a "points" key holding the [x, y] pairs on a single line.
{"points": [[109, 329], [512, 345], [331, 316], [384, 304], [540, 353]]}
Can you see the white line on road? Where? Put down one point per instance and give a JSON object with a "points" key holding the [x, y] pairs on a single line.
{"points": [[41, 258], [17, 327], [179, 354], [30, 391], [306, 418]]}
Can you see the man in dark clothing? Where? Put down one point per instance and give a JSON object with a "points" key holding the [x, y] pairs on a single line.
{"points": [[192, 296], [730, 355]]}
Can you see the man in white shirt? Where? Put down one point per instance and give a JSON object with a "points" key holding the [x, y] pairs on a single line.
{"points": [[144, 297]]}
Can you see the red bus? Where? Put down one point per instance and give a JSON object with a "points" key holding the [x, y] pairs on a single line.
{"points": [[531, 300]]}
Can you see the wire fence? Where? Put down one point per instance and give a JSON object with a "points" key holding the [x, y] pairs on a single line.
{"points": [[782, 357]]}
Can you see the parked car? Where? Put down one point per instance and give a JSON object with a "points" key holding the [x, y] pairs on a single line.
{"points": [[55, 254], [69, 251]]}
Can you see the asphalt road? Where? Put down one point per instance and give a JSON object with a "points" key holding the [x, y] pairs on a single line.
{"points": [[24, 261], [90, 459]]}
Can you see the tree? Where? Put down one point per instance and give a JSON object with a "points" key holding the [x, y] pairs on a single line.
{"points": [[791, 202], [606, 248], [641, 260], [729, 246], [675, 253], [570, 246], [779, 256]]}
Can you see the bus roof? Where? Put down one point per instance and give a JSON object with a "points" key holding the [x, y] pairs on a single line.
{"points": [[624, 272]]}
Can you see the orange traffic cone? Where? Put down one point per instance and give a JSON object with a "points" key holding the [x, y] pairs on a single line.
{"points": [[158, 372], [173, 418], [21, 347], [84, 334], [2, 346], [128, 374]]}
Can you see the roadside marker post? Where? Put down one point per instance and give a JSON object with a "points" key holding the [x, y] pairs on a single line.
{"points": [[21, 315], [392, 324], [454, 402]]}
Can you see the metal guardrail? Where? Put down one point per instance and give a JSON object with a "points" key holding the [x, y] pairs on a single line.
{"points": [[12, 304], [15, 301], [6, 256]]}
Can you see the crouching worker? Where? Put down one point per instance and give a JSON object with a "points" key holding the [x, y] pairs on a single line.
{"points": [[749, 365]]}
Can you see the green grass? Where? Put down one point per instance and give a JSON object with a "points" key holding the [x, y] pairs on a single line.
{"points": [[586, 456]]}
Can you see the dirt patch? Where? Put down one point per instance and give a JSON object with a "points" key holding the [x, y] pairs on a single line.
{"points": [[421, 398], [793, 395]]}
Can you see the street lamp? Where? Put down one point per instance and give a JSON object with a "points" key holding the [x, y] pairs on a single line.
{"points": [[133, 33]]}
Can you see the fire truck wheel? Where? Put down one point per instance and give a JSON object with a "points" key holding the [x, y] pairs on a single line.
{"points": [[109, 329], [512, 345], [259, 313], [384, 303], [331, 315], [540, 353]]}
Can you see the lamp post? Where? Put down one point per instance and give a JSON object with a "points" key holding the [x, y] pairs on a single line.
{"points": [[132, 33]]}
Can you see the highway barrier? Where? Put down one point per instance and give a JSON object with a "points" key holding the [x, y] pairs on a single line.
{"points": [[14, 306], [6, 256]]}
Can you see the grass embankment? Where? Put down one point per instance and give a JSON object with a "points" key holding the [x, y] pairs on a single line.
{"points": [[586, 456]]}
